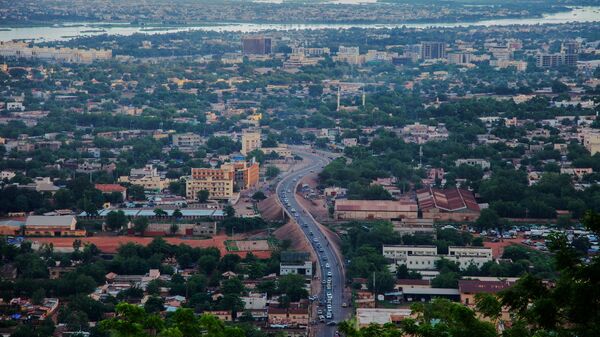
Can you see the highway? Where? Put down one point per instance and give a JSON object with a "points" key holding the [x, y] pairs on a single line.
{"points": [[331, 296]]}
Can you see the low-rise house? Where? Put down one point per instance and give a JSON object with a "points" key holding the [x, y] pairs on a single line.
{"points": [[296, 263], [62, 225]]}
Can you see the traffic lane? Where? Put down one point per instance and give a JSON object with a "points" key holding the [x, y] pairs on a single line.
{"points": [[290, 185]]}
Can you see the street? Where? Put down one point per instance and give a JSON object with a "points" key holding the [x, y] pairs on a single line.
{"points": [[331, 268]]}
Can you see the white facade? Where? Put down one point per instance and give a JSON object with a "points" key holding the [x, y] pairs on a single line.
{"points": [[425, 257], [304, 268]]}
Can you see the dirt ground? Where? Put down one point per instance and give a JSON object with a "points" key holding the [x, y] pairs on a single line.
{"points": [[110, 244]]}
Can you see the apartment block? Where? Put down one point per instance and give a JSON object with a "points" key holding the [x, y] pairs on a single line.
{"points": [[250, 141]]}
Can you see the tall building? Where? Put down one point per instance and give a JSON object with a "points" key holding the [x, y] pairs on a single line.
{"points": [[545, 60], [256, 45], [459, 58], [218, 182], [250, 141], [221, 182], [433, 50], [570, 47]]}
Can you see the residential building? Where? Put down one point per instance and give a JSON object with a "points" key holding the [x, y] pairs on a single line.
{"points": [[147, 177], [250, 141], [187, 141], [433, 50], [255, 301], [484, 164], [112, 188], [218, 182], [296, 263], [256, 45], [459, 58]]}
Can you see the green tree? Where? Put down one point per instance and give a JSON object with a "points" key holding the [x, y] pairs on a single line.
{"points": [[116, 220], [203, 196], [140, 224]]}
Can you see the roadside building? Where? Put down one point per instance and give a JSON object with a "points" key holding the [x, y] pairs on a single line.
{"points": [[375, 209], [296, 263], [424, 258], [453, 204]]}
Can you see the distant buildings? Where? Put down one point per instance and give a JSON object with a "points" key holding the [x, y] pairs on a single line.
{"points": [[256, 45], [568, 56], [482, 163], [67, 55], [433, 50]]}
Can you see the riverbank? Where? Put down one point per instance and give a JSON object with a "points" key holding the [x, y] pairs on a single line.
{"points": [[77, 29]]}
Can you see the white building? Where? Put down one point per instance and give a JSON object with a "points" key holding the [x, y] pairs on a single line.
{"points": [[484, 164], [425, 257], [296, 263]]}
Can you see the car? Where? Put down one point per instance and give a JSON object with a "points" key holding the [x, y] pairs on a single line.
{"points": [[329, 294], [344, 305], [323, 281], [320, 312], [315, 239], [329, 316], [329, 307], [321, 318], [310, 233], [329, 273], [327, 265], [324, 258], [331, 323]]}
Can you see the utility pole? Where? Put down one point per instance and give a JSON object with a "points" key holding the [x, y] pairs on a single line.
{"points": [[338, 98]]}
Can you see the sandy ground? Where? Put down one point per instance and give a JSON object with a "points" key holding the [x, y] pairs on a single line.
{"points": [[498, 247], [110, 244]]}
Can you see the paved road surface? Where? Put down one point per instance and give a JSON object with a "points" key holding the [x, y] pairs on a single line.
{"points": [[286, 193]]}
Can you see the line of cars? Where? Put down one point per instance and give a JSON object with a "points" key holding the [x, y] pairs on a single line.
{"points": [[326, 300]]}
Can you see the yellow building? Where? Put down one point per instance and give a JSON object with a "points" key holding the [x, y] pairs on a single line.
{"points": [[220, 182], [250, 141]]}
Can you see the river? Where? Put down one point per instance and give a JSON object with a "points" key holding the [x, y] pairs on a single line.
{"points": [[71, 30]]}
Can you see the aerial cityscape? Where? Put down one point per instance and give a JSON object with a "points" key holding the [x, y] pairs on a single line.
{"points": [[299, 168]]}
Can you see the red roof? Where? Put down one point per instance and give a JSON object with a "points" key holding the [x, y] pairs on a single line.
{"points": [[108, 188], [477, 286], [450, 200]]}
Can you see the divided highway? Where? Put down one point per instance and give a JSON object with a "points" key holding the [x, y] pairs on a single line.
{"points": [[332, 277]]}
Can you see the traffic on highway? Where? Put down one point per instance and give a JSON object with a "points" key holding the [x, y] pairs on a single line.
{"points": [[330, 299]]}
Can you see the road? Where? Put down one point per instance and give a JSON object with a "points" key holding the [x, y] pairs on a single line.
{"points": [[328, 262]]}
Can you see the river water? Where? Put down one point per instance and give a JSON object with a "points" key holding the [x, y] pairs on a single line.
{"points": [[68, 31]]}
